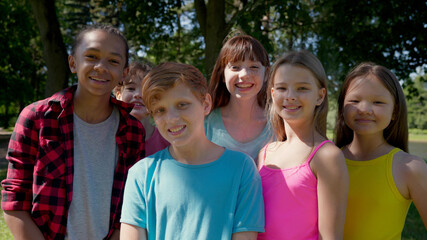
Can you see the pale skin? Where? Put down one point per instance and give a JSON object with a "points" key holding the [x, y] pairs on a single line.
{"points": [[100, 56], [134, 95], [295, 95], [180, 107], [368, 110], [243, 112]]}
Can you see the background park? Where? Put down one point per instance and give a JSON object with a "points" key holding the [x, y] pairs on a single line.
{"points": [[36, 36]]}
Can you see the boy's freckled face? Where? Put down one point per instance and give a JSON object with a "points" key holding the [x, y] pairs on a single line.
{"points": [[179, 115], [99, 62]]}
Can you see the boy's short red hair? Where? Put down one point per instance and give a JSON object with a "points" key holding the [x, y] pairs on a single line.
{"points": [[166, 75]]}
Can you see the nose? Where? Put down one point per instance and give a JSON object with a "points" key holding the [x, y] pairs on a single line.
{"points": [[290, 95], [364, 108], [172, 115], [138, 93], [100, 66], [243, 72]]}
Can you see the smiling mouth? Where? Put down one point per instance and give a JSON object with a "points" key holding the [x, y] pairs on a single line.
{"points": [[244, 85], [98, 79], [291, 107], [364, 120], [176, 129], [137, 104]]}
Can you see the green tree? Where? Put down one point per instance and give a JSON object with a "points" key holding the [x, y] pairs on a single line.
{"points": [[21, 73], [54, 51], [416, 101]]}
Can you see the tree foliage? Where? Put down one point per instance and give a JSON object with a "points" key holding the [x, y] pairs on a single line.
{"points": [[341, 33], [21, 66]]}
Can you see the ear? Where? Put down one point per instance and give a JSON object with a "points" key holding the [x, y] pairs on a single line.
{"points": [[72, 64], [321, 97], [207, 104], [118, 95]]}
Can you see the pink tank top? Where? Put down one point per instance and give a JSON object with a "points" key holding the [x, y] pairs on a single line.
{"points": [[290, 200]]}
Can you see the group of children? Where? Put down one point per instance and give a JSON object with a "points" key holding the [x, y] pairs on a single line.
{"points": [[246, 157]]}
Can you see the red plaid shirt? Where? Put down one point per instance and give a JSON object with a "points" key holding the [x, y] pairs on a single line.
{"points": [[40, 155]]}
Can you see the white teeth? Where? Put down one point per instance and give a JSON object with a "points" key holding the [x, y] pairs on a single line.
{"points": [[176, 129], [98, 79], [244, 85]]}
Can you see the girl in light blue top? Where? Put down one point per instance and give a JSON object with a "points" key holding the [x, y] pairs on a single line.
{"points": [[238, 89]]}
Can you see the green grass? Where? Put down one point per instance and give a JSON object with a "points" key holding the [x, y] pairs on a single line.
{"points": [[4, 230]]}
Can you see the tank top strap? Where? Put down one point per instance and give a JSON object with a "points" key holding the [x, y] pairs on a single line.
{"points": [[262, 160], [316, 149]]}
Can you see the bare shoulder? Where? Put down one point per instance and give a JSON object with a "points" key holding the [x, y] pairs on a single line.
{"points": [[409, 164], [329, 158], [329, 153]]}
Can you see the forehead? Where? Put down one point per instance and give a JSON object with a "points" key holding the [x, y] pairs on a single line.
{"points": [[290, 74], [368, 85], [179, 91], [99, 40]]}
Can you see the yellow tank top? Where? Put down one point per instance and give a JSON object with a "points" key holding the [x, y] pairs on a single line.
{"points": [[375, 208]]}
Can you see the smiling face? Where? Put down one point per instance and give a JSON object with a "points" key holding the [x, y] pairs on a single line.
{"points": [[179, 115], [131, 92], [368, 106], [244, 79], [99, 62], [295, 93]]}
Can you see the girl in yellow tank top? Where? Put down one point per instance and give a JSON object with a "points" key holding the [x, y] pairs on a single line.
{"points": [[384, 178]]}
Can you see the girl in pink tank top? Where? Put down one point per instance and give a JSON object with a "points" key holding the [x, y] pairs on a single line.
{"points": [[304, 175]]}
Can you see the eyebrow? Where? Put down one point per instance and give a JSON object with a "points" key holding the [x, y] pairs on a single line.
{"points": [[301, 83], [97, 50]]}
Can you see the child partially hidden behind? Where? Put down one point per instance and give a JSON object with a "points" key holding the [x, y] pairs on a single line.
{"points": [[131, 92], [194, 189]]}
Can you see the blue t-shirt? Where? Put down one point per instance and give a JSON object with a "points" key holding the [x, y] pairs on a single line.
{"points": [[216, 132], [173, 200]]}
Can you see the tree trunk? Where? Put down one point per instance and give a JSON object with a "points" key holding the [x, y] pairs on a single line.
{"points": [[212, 23], [54, 51]]}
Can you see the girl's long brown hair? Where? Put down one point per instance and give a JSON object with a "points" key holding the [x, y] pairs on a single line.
{"points": [[396, 133]]}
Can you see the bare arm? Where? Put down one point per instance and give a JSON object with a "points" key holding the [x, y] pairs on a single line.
{"points": [[332, 189], [131, 232], [244, 236], [115, 235], [22, 226], [416, 180]]}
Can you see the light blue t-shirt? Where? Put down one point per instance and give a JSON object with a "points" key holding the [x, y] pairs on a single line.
{"points": [[173, 200], [216, 132]]}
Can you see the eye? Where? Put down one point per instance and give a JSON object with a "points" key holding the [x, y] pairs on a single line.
{"points": [[254, 67], [158, 111], [280, 88], [353, 101], [90, 56], [302, 88], [234, 67], [182, 105], [379, 102], [114, 61], [130, 89]]}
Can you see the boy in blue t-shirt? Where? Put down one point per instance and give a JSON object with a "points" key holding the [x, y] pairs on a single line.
{"points": [[194, 189]]}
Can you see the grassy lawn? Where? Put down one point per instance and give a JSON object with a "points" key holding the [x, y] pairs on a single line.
{"points": [[414, 228]]}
